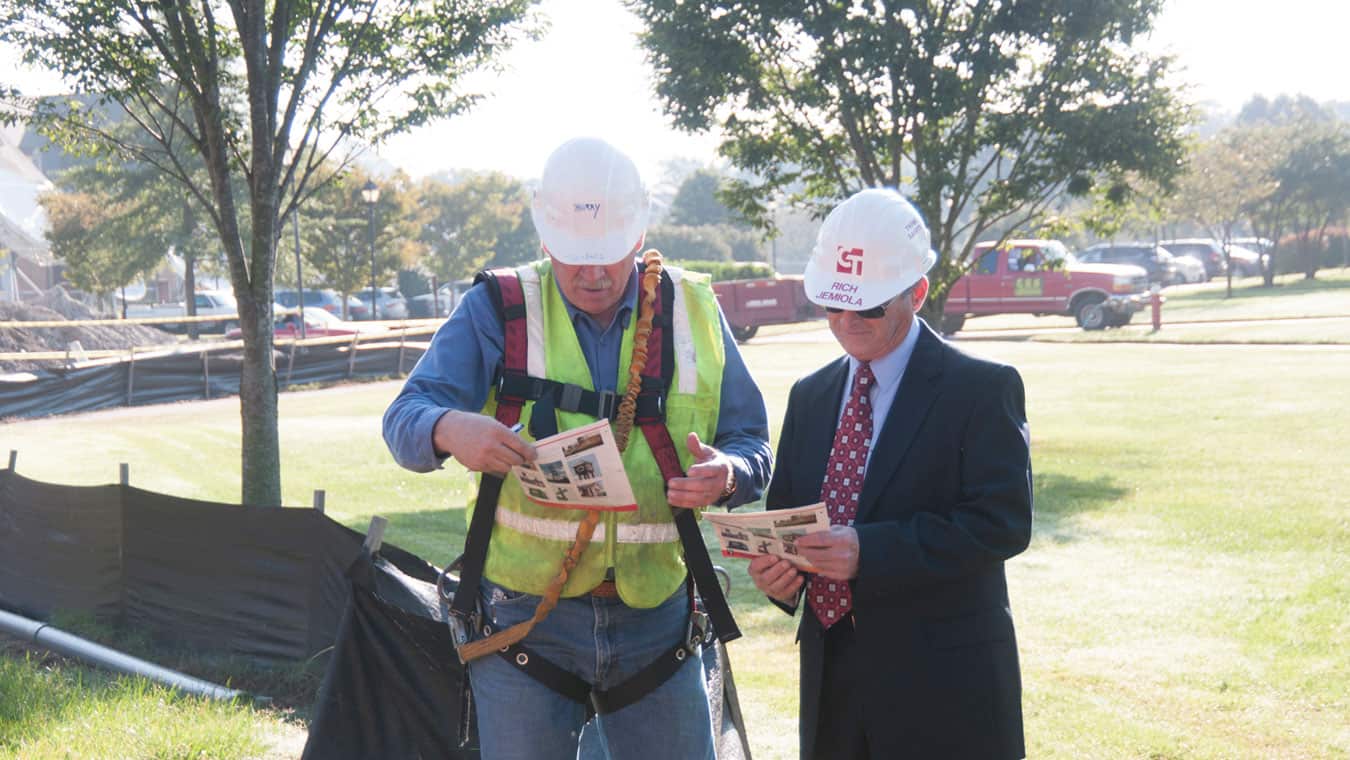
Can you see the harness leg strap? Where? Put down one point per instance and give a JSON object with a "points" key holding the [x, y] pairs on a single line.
{"points": [[560, 680], [632, 689], [660, 670]]}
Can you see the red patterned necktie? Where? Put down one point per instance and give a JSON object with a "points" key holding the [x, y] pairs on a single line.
{"points": [[832, 599]]}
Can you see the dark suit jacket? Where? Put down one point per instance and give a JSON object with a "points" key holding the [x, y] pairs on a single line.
{"points": [[946, 499]]}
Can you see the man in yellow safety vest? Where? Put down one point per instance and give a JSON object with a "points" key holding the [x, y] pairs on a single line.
{"points": [[565, 341]]}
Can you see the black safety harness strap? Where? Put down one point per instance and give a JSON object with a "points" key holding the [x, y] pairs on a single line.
{"points": [[633, 688], [504, 287], [661, 366], [551, 395]]}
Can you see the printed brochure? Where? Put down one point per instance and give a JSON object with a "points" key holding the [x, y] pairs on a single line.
{"points": [[753, 534], [578, 469]]}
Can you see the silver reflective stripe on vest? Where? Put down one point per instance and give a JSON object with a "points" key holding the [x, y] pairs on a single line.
{"points": [[566, 530], [686, 360], [534, 321]]}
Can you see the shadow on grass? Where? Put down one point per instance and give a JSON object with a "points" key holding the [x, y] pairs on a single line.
{"points": [[1059, 498], [291, 687]]}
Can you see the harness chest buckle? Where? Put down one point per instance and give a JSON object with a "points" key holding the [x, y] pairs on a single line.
{"points": [[569, 399], [607, 404]]}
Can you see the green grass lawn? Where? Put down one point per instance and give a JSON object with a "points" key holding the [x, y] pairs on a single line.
{"points": [[49, 709], [1186, 593], [1291, 296]]}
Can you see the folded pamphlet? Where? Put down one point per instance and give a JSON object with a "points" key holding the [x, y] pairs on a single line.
{"points": [[578, 469], [774, 532]]}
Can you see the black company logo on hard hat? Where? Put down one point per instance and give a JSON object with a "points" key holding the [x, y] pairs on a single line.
{"points": [[850, 261], [592, 208]]}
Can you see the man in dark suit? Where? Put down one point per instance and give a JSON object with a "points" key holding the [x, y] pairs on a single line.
{"points": [[921, 454]]}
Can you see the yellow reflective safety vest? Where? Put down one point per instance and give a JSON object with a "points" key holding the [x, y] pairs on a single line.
{"points": [[643, 546]]}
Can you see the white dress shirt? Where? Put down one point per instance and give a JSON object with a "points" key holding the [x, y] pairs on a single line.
{"points": [[888, 371]]}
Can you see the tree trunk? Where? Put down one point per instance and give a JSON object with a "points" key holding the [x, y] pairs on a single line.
{"points": [[933, 307], [258, 398], [1228, 259], [1305, 253], [261, 448]]}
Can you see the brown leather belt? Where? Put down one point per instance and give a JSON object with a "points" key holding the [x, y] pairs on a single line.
{"points": [[605, 589]]}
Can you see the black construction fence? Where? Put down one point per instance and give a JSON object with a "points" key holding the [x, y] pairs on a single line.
{"points": [[263, 582], [203, 371], [280, 584]]}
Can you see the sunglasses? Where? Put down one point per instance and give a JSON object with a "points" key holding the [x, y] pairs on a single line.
{"points": [[876, 312]]}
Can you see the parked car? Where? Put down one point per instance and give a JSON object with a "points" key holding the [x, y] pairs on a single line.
{"points": [[318, 324], [1189, 269], [1155, 260], [1207, 250], [1042, 277], [1258, 244], [207, 303], [390, 303], [446, 299], [1244, 261], [328, 300]]}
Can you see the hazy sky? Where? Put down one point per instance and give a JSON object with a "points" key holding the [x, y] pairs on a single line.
{"points": [[588, 76]]}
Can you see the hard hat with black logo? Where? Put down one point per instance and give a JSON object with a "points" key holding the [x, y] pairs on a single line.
{"points": [[591, 207], [870, 249]]}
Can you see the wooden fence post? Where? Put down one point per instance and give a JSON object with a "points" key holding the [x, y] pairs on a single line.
{"points": [[374, 535], [351, 359], [206, 374]]}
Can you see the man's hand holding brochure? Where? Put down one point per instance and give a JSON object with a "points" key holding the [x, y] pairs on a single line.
{"points": [[754, 534]]}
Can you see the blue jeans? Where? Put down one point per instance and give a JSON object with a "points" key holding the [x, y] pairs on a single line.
{"points": [[603, 641]]}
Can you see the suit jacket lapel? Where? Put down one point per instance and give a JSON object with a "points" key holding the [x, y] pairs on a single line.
{"points": [[919, 388], [823, 420]]}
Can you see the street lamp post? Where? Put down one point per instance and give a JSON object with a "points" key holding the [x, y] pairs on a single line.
{"points": [[370, 193]]}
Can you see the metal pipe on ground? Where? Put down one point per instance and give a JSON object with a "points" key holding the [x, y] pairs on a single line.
{"points": [[70, 645]]}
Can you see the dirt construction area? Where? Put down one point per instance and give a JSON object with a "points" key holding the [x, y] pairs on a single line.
{"points": [[57, 306]]}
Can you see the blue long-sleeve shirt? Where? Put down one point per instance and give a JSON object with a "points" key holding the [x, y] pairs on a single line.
{"points": [[458, 368]]}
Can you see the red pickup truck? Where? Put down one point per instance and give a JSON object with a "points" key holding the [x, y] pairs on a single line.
{"points": [[1042, 277], [771, 301]]}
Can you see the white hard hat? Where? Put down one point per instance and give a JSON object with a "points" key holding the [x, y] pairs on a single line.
{"points": [[870, 249], [591, 207]]}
